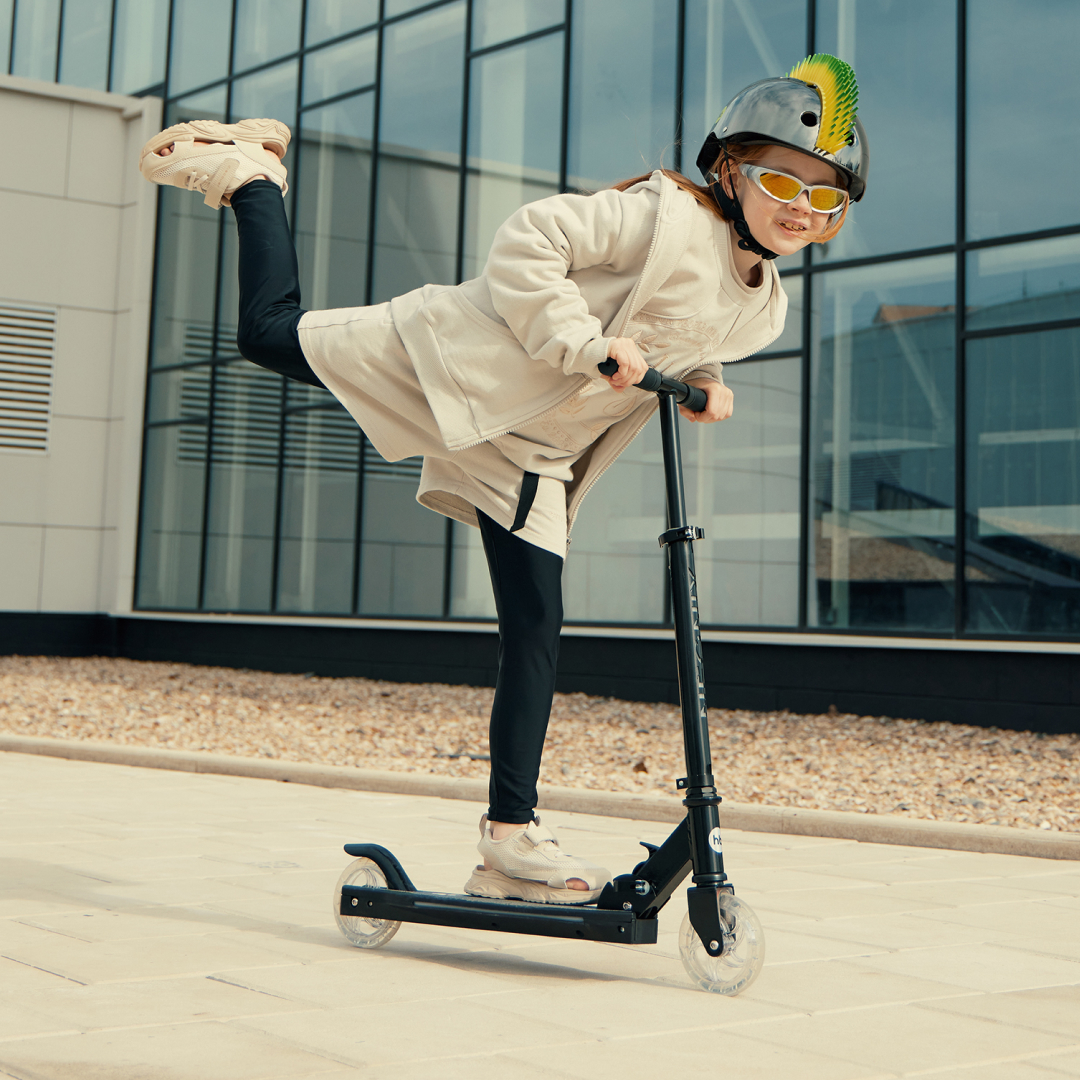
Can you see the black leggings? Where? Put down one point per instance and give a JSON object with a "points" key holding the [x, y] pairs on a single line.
{"points": [[527, 580]]}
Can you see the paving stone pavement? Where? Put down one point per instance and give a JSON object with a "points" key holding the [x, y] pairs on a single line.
{"points": [[175, 926]]}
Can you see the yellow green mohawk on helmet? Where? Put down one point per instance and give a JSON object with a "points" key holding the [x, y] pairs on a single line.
{"points": [[835, 83]]}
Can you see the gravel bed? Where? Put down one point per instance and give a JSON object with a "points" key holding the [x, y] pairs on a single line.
{"points": [[868, 764]]}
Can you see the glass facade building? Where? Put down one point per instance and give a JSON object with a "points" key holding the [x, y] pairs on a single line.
{"points": [[905, 460]]}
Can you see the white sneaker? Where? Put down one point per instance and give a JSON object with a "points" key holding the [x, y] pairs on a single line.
{"points": [[237, 152], [529, 865]]}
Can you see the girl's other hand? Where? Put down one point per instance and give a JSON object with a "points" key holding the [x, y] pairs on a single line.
{"points": [[632, 366], [720, 405]]}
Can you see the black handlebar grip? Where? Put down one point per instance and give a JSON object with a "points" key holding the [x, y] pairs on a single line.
{"points": [[691, 397]]}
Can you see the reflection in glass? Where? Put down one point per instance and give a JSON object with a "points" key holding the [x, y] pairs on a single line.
{"points": [[84, 44], [470, 583], [179, 394], [187, 245], [1022, 525], [419, 151], [614, 571], [200, 43], [265, 29], [339, 68], [791, 337], [504, 20], [243, 488], [403, 545], [268, 93], [141, 30], [34, 50], [742, 487], [170, 536], [399, 7], [515, 108], [882, 447], [1021, 71], [328, 18], [318, 511], [903, 103], [622, 90], [335, 181], [1024, 283], [731, 44]]}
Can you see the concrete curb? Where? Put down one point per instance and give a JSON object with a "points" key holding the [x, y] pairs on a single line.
{"points": [[867, 828]]}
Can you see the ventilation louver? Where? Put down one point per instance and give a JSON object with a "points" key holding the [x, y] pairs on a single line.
{"points": [[27, 345]]}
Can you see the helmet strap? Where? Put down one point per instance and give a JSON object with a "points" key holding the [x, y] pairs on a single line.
{"points": [[733, 211]]}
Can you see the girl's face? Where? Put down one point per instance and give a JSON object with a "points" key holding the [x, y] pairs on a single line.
{"points": [[785, 227]]}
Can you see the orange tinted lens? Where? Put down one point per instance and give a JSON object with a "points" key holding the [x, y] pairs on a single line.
{"points": [[782, 187], [826, 200]]}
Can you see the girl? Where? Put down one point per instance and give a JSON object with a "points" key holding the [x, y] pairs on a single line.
{"points": [[494, 382]]}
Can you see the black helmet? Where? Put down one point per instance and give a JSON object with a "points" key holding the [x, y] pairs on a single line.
{"points": [[812, 110]]}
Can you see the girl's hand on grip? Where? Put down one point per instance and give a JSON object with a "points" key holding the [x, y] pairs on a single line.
{"points": [[720, 405], [632, 366]]}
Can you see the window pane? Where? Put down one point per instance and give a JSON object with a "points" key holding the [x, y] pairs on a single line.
{"points": [[179, 394], [334, 203], [268, 93], [328, 18], [243, 488], [170, 536], [139, 45], [1021, 78], [622, 90], [514, 134], [84, 49], [792, 335], [420, 142], [7, 7], [503, 20], [904, 102], [1024, 283], [265, 29], [470, 583], [318, 512], [614, 570], [35, 39], [1023, 485], [399, 7], [882, 447], [742, 486], [731, 44], [186, 257], [404, 545], [340, 68], [200, 43]]}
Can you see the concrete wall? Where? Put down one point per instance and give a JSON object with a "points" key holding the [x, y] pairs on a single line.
{"points": [[77, 235]]}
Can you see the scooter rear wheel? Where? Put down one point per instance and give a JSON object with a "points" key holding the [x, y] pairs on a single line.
{"points": [[744, 949], [363, 933]]}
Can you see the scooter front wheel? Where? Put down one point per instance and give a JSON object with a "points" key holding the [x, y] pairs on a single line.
{"points": [[363, 933], [744, 949]]}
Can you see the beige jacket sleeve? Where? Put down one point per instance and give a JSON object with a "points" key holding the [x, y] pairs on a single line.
{"points": [[543, 242]]}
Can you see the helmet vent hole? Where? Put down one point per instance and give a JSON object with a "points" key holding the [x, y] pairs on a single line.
{"points": [[809, 118]]}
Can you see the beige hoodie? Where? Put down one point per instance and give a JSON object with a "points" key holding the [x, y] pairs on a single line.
{"points": [[564, 276]]}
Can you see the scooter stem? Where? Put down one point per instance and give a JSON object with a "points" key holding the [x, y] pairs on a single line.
{"points": [[702, 801]]}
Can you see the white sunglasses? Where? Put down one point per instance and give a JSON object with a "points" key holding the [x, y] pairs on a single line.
{"points": [[786, 189]]}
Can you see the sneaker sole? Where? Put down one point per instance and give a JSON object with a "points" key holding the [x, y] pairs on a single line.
{"points": [[270, 133], [494, 885]]}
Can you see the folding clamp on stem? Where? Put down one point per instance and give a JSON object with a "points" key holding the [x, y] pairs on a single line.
{"points": [[683, 532]]}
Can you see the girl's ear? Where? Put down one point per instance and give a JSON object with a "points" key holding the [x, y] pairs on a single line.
{"points": [[726, 172]]}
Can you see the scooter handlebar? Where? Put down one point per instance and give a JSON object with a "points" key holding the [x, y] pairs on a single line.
{"points": [[691, 397]]}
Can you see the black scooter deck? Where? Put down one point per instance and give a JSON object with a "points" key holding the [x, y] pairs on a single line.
{"points": [[584, 922]]}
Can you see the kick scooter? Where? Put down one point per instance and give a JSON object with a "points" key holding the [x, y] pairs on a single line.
{"points": [[721, 941]]}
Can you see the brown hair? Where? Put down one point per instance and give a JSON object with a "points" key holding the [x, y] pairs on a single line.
{"points": [[738, 155]]}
